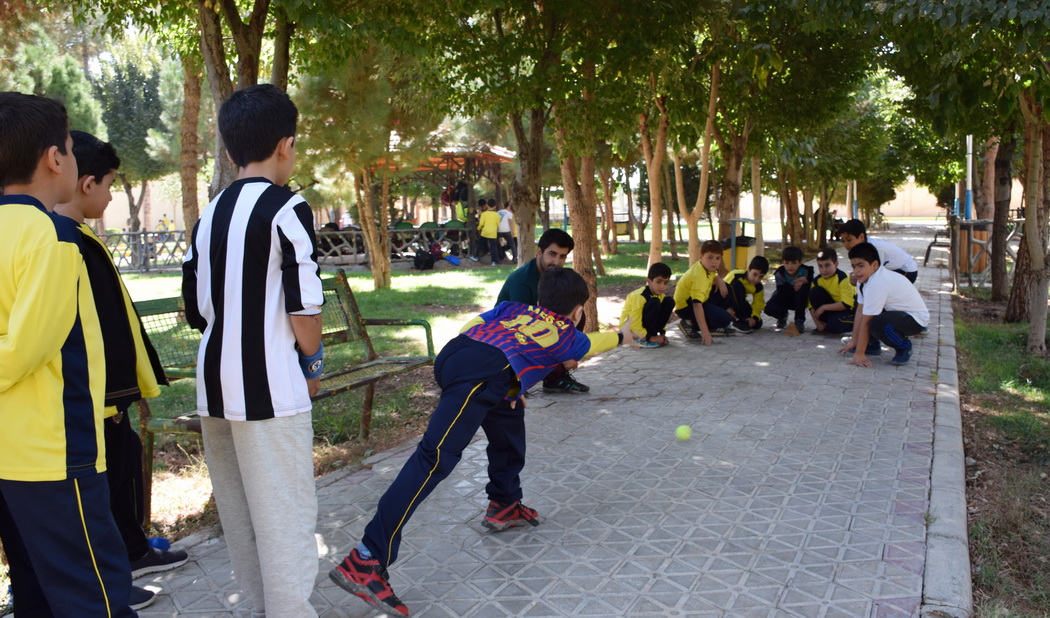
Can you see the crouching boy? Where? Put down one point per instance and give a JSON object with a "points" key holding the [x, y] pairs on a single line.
{"points": [[832, 299], [649, 309], [889, 309], [701, 316], [747, 315]]}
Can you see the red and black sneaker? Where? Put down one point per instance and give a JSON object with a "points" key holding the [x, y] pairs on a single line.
{"points": [[499, 517], [367, 580]]}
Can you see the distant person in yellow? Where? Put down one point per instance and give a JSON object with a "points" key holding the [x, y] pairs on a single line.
{"points": [[649, 309], [488, 227]]}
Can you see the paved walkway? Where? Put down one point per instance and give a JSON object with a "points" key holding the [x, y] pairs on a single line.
{"points": [[805, 490]]}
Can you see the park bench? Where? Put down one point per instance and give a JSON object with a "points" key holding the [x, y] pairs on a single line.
{"points": [[177, 343]]}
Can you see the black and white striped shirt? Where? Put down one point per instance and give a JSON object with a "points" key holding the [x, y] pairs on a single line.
{"points": [[251, 264]]}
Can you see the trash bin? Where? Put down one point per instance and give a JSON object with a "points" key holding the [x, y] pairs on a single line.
{"points": [[745, 251]]}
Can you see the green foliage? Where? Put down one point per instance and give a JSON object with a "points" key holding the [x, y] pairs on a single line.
{"points": [[41, 68], [132, 109]]}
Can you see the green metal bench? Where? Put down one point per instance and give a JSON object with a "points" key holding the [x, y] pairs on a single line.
{"points": [[177, 344]]}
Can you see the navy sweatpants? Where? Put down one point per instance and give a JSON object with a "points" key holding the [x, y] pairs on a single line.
{"points": [[737, 301], [893, 328], [65, 553], [474, 378], [655, 314], [716, 316], [835, 322], [124, 475], [786, 299]]}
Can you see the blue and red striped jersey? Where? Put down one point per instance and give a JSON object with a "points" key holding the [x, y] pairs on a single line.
{"points": [[534, 339]]}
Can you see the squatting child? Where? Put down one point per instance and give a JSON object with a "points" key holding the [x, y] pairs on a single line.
{"points": [[792, 280], [488, 227], [889, 309], [649, 309], [701, 316], [747, 315], [891, 256], [482, 374], [832, 299], [64, 552], [250, 283], [133, 369]]}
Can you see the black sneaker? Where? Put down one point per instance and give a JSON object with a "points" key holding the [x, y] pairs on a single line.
{"points": [[873, 349], [157, 560], [903, 355], [367, 580], [499, 517], [725, 331], [687, 330], [782, 323], [140, 597], [800, 325], [566, 384], [743, 327]]}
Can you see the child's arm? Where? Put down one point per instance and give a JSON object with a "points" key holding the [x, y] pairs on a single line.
{"points": [[632, 312], [701, 323], [307, 329], [43, 314], [860, 341]]}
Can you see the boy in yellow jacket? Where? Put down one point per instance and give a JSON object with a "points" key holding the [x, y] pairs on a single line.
{"points": [[488, 227]]}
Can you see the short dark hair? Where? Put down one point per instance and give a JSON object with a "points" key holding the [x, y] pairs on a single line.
{"points": [[853, 227], [556, 237], [95, 157], [561, 290], [827, 254], [865, 251], [492, 201], [254, 120], [659, 269], [482, 202], [760, 264], [29, 125], [791, 254], [711, 246]]}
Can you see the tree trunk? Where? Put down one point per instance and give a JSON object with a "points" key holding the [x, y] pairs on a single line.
{"points": [[1036, 206], [669, 208], [1003, 187], [809, 222], [609, 236], [782, 198], [221, 86], [581, 214], [691, 218], [827, 191], [189, 140], [984, 198], [525, 189], [247, 38], [791, 213], [756, 202], [729, 196], [632, 221], [373, 227], [134, 224], [282, 42], [654, 154]]}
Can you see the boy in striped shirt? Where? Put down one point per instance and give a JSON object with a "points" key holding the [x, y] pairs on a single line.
{"points": [[482, 374], [251, 285]]}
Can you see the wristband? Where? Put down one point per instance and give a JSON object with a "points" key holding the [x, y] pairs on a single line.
{"points": [[312, 366]]}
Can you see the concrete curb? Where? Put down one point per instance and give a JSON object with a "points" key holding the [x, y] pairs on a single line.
{"points": [[947, 591]]}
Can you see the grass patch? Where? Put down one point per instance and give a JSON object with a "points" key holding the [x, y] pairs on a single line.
{"points": [[1006, 423]]}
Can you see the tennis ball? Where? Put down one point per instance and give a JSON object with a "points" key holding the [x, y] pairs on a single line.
{"points": [[683, 432]]}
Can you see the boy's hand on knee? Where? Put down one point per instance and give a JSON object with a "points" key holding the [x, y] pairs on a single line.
{"points": [[514, 402], [570, 364]]}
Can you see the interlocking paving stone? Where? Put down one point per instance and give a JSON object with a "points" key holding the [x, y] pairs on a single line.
{"points": [[802, 492]]}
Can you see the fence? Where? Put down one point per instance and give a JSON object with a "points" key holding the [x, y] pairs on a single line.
{"points": [[148, 251]]}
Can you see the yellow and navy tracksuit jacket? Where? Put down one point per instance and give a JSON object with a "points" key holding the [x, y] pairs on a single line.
{"points": [[52, 364], [758, 295], [632, 308], [695, 283], [839, 288], [145, 370]]}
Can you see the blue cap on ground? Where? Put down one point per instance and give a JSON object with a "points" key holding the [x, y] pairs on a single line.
{"points": [[159, 542]]}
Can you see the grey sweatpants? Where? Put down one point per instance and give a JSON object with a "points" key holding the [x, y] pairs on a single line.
{"points": [[263, 476]]}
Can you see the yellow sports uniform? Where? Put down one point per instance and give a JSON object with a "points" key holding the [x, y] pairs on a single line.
{"points": [[695, 283], [52, 364], [758, 295], [839, 288]]}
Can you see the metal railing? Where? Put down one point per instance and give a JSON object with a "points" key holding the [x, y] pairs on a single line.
{"points": [[148, 251], [971, 253]]}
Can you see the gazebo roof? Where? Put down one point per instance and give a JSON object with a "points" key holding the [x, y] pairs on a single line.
{"points": [[455, 157]]}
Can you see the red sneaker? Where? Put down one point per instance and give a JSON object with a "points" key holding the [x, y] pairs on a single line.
{"points": [[368, 581], [499, 517]]}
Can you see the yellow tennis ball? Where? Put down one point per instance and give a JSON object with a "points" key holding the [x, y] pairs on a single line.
{"points": [[683, 432]]}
